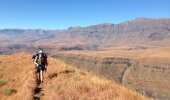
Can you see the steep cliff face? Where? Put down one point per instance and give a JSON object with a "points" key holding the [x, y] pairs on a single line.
{"points": [[148, 79], [110, 68]]}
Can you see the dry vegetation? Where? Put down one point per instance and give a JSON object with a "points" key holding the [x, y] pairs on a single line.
{"points": [[152, 55], [62, 82], [16, 75]]}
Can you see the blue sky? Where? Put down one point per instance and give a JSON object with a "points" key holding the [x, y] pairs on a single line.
{"points": [[61, 14]]}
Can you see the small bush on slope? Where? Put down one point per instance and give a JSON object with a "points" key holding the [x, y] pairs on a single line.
{"points": [[2, 82], [8, 91]]}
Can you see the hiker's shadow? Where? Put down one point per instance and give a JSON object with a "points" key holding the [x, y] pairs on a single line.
{"points": [[37, 90], [37, 93]]}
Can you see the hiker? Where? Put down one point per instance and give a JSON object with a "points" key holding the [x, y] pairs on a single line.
{"points": [[41, 64]]}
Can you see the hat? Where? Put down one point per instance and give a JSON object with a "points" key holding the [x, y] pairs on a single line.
{"points": [[40, 51]]}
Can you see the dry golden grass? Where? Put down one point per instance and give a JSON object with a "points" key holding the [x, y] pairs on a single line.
{"points": [[65, 82], [17, 72], [62, 82]]}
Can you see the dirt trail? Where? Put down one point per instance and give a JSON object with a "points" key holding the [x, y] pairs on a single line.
{"points": [[38, 90], [37, 93]]}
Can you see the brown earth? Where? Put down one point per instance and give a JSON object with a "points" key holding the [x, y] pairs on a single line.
{"points": [[62, 82]]}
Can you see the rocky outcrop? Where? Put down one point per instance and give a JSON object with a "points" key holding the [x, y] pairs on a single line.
{"points": [[157, 36]]}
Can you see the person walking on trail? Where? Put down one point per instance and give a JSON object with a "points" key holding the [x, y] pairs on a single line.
{"points": [[41, 64]]}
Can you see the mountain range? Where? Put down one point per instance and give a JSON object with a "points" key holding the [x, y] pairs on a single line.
{"points": [[144, 32]]}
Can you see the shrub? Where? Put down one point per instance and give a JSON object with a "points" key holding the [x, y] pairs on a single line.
{"points": [[2, 82], [8, 91]]}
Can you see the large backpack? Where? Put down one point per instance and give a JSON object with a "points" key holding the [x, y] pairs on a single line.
{"points": [[34, 56], [43, 55]]}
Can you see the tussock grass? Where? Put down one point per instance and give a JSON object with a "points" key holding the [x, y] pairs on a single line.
{"points": [[2, 82], [17, 71], [9, 91]]}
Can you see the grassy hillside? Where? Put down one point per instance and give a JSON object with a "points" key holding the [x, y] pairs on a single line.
{"points": [[62, 82], [146, 70]]}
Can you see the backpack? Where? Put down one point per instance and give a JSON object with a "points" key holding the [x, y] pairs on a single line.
{"points": [[43, 55], [34, 56]]}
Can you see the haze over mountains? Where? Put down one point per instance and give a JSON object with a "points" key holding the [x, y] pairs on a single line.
{"points": [[143, 32]]}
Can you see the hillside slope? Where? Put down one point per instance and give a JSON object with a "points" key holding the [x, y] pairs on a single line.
{"points": [[62, 82], [147, 71]]}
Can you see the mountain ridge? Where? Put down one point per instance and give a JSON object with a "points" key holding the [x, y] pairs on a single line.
{"points": [[61, 82], [140, 31], [104, 23]]}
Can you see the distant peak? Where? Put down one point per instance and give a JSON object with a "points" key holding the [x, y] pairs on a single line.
{"points": [[146, 19], [105, 24], [141, 18], [102, 24], [74, 27]]}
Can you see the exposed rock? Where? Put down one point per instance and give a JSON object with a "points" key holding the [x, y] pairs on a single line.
{"points": [[157, 36]]}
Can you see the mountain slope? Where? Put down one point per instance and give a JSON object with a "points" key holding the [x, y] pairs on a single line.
{"points": [[147, 71], [62, 82]]}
